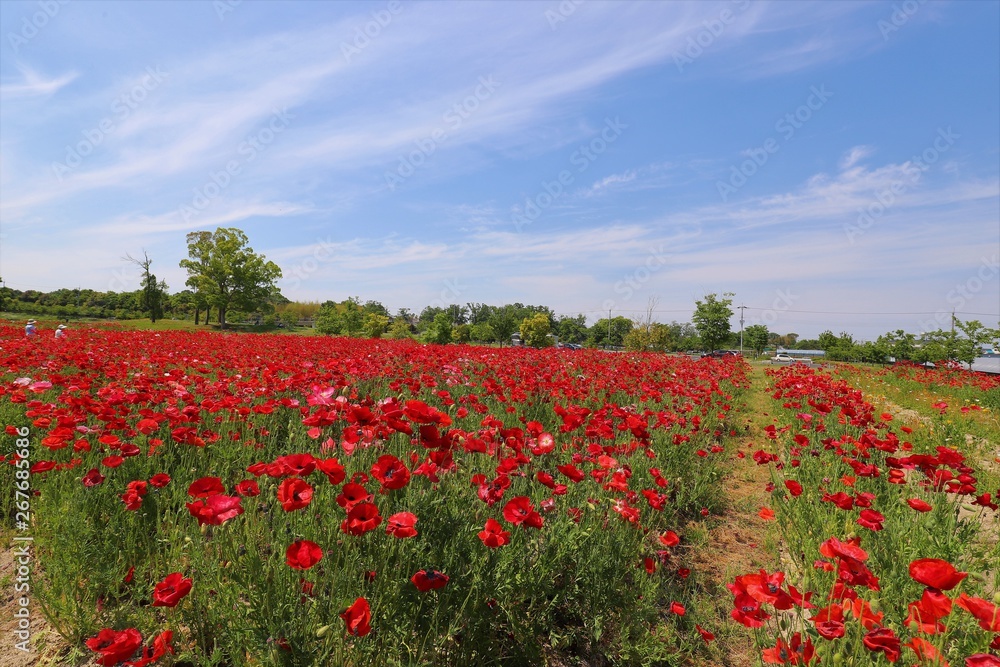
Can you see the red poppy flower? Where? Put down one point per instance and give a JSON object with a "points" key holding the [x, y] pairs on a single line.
{"points": [[919, 505], [248, 488], [294, 493], [215, 510], [794, 652], [93, 478], [358, 618], [302, 554], [169, 592], [132, 500], [766, 513], [390, 472], [871, 519], [862, 611], [985, 612], [115, 646], [572, 472], [352, 494], [883, 640], [793, 487], [926, 613], [518, 509], [705, 634], [936, 573], [147, 426], [160, 480], [677, 608], [493, 535], [982, 660], [748, 611], [161, 646], [829, 621], [926, 652], [669, 539], [331, 467], [426, 581], [361, 518], [400, 525], [297, 464], [112, 461], [205, 487]]}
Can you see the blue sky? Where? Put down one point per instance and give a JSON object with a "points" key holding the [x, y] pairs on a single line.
{"points": [[835, 165]]}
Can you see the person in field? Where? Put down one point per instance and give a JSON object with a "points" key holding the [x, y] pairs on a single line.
{"points": [[29, 328], [60, 331]]}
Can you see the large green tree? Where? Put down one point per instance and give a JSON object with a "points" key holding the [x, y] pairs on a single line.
{"points": [[711, 319], [227, 272], [976, 336], [899, 344], [535, 330], [603, 335], [440, 331], [572, 329], [655, 337], [346, 318], [755, 336], [503, 324]]}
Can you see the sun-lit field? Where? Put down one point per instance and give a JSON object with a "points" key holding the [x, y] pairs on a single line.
{"points": [[199, 498]]}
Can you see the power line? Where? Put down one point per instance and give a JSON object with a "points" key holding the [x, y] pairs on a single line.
{"points": [[814, 312], [841, 312]]}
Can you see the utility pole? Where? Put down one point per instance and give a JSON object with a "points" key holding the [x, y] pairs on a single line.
{"points": [[742, 308], [609, 329]]}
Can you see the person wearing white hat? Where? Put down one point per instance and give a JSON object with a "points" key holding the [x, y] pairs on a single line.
{"points": [[29, 328], [60, 331]]}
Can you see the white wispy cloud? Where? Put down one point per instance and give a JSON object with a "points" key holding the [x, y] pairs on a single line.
{"points": [[33, 84], [855, 155]]}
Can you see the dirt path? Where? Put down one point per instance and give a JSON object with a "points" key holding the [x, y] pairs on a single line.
{"points": [[44, 645], [739, 543]]}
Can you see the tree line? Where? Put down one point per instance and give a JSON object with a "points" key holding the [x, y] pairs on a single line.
{"points": [[226, 277]]}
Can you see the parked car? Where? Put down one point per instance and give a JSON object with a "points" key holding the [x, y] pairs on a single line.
{"points": [[782, 359], [719, 354]]}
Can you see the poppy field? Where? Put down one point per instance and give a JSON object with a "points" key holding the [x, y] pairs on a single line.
{"points": [[197, 498]]}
